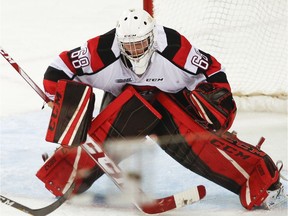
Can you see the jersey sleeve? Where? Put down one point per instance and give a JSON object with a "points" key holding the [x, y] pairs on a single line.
{"points": [[178, 49], [90, 58], [211, 68], [67, 65]]}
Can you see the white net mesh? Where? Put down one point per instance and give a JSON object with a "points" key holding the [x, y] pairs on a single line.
{"points": [[248, 37]]}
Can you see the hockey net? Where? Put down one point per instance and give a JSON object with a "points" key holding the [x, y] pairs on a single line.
{"points": [[248, 37]]}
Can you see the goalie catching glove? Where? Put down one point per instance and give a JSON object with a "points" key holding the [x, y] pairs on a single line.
{"points": [[214, 104]]}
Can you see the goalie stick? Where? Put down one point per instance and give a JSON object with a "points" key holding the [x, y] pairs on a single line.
{"points": [[24, 75], [146, 204], [40, 211], [154, 206]]}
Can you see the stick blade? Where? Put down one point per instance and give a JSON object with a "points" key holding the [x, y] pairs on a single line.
{"points": [[175, 201]]}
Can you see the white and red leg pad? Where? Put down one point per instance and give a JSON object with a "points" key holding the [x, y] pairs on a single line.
{"points": [[65, 166]]}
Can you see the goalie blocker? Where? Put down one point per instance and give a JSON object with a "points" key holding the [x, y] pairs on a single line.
{"points": [[71, 114], [222, 158]]}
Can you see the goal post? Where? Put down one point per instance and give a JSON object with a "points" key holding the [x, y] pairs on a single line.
{"points": [[248, 37]]}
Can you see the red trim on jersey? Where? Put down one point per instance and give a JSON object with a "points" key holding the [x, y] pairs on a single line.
{"points": [[214, 67], [49, 86], [181, 56], [96, 62], [66, 60]]}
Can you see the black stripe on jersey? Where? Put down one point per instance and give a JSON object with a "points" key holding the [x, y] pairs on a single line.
{"points": [[79, 70], [219, 77], [104, 47], [54, 74], [173, 43], [173, 46]]}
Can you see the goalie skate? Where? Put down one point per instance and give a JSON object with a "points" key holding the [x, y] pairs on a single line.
{"points": [[275, 198], [279, 196]]}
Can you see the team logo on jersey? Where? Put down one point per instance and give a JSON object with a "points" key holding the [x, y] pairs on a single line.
{"points": [[154, 79], [123, 80]]}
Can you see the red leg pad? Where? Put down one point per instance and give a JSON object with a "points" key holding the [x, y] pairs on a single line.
{"points": [[224, 159], [137, 109], [65, 166], [254, 191]]}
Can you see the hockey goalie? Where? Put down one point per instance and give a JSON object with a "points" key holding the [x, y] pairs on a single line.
{"points": [[155, 82]]}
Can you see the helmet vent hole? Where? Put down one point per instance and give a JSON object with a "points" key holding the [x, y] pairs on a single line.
{"points": [[125, 18], [135, 17], [145, 23]]}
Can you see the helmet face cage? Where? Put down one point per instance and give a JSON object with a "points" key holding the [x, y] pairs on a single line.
{"points": [[135, 49], [135, 36]]}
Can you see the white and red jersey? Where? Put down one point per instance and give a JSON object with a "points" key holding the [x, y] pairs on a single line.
{"points": [[175, 65]]}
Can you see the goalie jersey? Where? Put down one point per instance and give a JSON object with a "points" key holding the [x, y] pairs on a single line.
{"points": [[175, 65]]}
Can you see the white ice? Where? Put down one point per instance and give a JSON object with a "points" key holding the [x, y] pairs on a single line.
{"points": [[33, 33]]}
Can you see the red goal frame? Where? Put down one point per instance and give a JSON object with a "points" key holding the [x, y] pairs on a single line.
{"points": [[148, 6]]}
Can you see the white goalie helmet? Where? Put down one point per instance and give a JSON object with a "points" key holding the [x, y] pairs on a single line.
{"points": [[135, 35]]}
